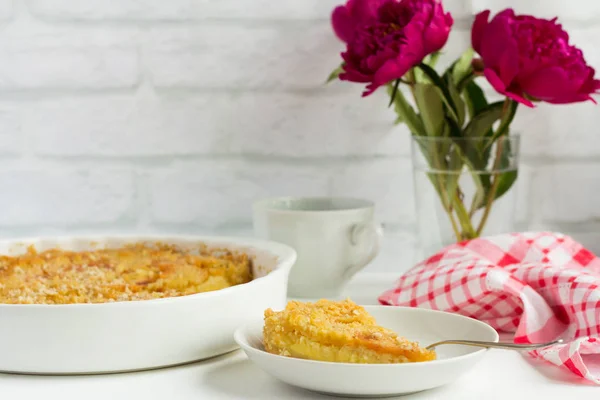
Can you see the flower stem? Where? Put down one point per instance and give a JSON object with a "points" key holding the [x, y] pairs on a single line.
{"points": [[457, 233], [437, 180], [492, 192], [502, 133], [444, 195], [465, 81], [394, 91], [468, 232], [448, 208]]}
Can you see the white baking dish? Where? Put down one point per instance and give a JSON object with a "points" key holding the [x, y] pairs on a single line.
{"points": [[135, 335]]}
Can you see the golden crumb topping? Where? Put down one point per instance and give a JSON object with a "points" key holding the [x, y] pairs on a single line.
{"points": [[133, 272], [336, 331]]}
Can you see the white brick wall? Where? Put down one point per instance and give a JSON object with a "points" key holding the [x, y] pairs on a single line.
{"points": [[68, 69], [45, 196], [175, 115], [179, 10]]}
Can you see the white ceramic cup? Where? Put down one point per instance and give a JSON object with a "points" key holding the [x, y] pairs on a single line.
{"points": [[334, 238]]}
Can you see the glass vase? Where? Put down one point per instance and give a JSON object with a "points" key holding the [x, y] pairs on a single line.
{"points": [[464, 188]]}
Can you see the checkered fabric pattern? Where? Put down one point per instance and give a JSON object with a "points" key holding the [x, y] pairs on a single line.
{"points": [[539, 285]]}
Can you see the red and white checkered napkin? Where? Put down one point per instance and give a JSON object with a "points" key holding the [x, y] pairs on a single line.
{"points": [[539, 285]]}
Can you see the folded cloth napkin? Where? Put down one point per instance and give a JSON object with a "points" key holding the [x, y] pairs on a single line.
{"points": [[540, 285]]}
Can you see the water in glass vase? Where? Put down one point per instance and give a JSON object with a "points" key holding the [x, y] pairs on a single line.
{"points": [[464, 188]]}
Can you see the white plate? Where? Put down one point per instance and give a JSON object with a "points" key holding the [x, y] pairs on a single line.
{"points": [[135, 335], [376, 380]]}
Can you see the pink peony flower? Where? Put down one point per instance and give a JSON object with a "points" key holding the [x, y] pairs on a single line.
{"points": [[401, 34], [528, 58], [352, 16]]}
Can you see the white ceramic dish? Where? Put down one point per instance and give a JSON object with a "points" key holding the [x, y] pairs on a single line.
{"points": [[377, 380], [135, 335]]}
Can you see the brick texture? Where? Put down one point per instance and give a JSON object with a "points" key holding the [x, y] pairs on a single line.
{"points": [[11, 133], [565, 131], [220, 194], [384, 182], [237, 57], [180, 10], [571, 189], [68, 68], [184, 10], [295, 56], [6, 10], [281, 124], [40, 196]]}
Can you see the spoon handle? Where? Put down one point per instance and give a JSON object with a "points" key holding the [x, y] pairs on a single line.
{"points": [[497, 345]]}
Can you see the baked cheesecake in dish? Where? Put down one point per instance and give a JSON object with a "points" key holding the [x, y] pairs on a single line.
{"points": [[139, 271], [336, 332]]}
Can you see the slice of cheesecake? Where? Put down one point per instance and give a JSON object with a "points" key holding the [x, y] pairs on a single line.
{"points": [[337, 332]]}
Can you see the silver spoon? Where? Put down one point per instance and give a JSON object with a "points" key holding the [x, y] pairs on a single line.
{"points": [[497, 345]]}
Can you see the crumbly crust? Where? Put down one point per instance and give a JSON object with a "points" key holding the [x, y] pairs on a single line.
{"points": [[139, 271], [338, 332]]}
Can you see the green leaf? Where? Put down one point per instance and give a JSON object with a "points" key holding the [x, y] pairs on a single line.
{"points": [[431, 150], [335, 73], [433, 58], [430, 60], [506, 120], [430, 103], [476, 153], [420, 77], [437, 182], [482, 122], [482, 186], [455, 164], [406, 113], [459, 103], [507, 179], [462, 67], [481, 126], [453, 116], [394, 92], [503, 172], [439, 82], [476, 103], [475, 99]]}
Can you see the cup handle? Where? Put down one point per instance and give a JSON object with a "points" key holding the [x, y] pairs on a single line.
{"points": [[367, 238]]}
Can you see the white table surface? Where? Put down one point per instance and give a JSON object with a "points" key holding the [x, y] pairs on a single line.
{"points": [[501, 374]]}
